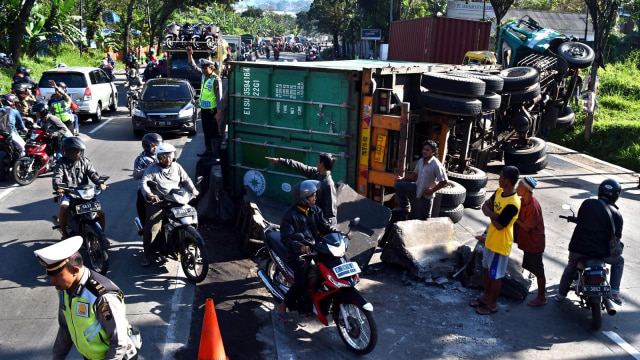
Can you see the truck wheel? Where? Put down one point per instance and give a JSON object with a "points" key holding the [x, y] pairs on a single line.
{"points": [[454, 213], [532, 167], [475, 199], [450, 104], [490, 101], [493, 83], [528, 94], [472, 179], [453, 85], [519, 78], [578, 55], [453, 194], [535, 149], [566, 118]]}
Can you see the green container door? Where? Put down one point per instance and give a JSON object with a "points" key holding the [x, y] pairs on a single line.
{"points": [[290, 112]]}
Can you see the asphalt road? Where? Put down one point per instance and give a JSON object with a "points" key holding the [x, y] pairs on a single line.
{"points": [[415, 321]]}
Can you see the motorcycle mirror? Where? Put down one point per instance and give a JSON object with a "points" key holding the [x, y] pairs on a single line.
{"points": [[199, 179], [566, 206], [103, 179], [354, 222]]}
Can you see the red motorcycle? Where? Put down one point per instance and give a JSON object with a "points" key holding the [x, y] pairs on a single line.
{"points": [[38, 160], [331, 286]]}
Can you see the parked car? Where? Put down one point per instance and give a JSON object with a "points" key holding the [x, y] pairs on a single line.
{"points": [[89, 88], [312, 55], [166, 105]]}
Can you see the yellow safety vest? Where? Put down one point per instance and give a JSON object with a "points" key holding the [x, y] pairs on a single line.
{"points": [[208, 92], [61, 109]]}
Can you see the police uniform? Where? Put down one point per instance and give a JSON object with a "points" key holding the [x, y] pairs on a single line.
{"points": [[93, 315], [210, 88]]}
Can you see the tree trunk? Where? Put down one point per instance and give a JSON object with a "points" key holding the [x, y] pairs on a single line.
{"points": [[591, 86], [18, 29], [127, 27]]}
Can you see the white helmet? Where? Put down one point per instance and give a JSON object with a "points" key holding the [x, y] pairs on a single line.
{"points": [[166, 148]]}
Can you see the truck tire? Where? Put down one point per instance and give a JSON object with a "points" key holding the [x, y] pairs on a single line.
{"points": [[454, 213], [490, 101], [451, 105], [535, 150], [525, 95], [493, 83], [518, 78], [453, 85], [533, 167], [473, 179], [566, 118], [475, 199], [453, 194], [578, 55]]}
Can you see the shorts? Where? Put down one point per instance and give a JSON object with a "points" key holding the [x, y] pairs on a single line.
{"points": [[533, 263], [64, 200], [496, 263]]}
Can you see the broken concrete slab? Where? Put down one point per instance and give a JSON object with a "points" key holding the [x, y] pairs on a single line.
{"points": [[425, 248]]}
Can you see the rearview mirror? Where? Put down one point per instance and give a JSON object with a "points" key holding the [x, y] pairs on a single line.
{"points": [[566, 206]]}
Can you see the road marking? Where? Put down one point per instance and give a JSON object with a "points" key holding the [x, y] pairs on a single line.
{"points": [[101, 125], [552, 175], [172, 344], [623, 344], [8, 190]]}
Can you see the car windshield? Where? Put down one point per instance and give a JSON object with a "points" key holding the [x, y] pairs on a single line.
{"points": [[163, 92], [72, 80]]}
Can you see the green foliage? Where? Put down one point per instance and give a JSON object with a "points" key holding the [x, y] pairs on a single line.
{"points": [[616, 129]]}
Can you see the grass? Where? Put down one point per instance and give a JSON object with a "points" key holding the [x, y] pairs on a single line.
{"points": [[616, 129], [38, 65]]}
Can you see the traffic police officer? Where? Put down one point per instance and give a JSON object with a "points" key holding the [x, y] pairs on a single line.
{"points": [[91, 311], [210, 88], [60, 104]]}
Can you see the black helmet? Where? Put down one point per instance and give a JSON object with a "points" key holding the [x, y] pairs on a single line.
{"points": [[21, 88], [74, 143], [20, 69], [10, 99], [41, 108], [26, 72], [610, 189], [302, 191], [149, 140], [63, 85]]}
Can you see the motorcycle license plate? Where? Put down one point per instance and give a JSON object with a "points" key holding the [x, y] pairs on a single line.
{"points": [[598, 290], [184, 212], [347, 269], [88, 207]]}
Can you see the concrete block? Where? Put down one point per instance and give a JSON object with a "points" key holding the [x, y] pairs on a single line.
{"points": [[426, 248]]}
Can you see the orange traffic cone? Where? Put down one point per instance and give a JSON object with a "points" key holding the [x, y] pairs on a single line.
{"points": [[211, 347]]}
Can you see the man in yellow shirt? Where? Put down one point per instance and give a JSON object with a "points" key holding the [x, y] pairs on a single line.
{"points": [[502, 209]]}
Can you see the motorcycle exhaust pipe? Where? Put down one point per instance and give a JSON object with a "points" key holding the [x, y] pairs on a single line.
{"points": [[607, 304], [269, 285]]}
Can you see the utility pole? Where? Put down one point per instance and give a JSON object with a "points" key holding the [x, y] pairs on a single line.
{"points": [[80, 28]]}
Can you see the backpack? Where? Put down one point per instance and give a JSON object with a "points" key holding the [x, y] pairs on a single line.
{"points": [[5, 124]]}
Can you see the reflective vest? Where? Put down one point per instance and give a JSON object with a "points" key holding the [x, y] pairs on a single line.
{"points": [[79, 312], [208, 92], [61, 109]]}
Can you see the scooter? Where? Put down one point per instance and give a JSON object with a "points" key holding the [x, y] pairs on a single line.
{"points": [[591, 283], [38, 160], [83, 220], [332, 288], [179, 238], [133, 96], [205, 36], [171, 38], [6, 60]]}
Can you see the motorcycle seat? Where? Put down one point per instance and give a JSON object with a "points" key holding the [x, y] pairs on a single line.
{"points": [[273, 241], [594, 264]]}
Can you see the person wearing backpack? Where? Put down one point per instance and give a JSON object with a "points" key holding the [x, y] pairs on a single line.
{"points": [[11, 121]]}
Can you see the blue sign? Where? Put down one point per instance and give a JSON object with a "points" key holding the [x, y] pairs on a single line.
{"points": [[371, 34]]}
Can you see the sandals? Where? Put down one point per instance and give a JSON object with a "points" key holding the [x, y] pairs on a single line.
{"points": [[486, 310], [477, 303], [616, 300]]}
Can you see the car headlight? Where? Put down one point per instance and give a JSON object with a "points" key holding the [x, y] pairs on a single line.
{"points": [[187, 111], [139, 113]]}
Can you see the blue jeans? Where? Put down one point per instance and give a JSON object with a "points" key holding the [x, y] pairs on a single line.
{"points": [[423, 204], [617, 266]]}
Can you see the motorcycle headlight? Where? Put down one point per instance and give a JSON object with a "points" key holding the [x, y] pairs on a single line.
{"points": [[139, 113], [87, 193], [187, 111]]}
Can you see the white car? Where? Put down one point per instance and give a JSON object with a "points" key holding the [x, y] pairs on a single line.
{"points": [[90, 88]]}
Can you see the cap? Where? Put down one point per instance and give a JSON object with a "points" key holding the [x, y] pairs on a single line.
{"points": [[56, 256], [530, 182], [205, 62]]}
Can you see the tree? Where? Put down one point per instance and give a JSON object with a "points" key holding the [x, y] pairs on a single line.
{"points": [[604, 14], [21, 11], [253, 12], [500, 8], [333, 17]]}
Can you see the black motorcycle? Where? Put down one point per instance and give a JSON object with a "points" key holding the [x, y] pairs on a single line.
{"points": [[133, 96], [179, 238], [8, 155], [83, 220], [591, 283]]}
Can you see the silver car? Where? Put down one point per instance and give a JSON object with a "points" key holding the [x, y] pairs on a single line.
{"points": [[90, 88]]}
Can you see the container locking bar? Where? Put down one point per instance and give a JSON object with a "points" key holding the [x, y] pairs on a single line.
{"points": [[341, 134], [310, 102], [240, 141]]}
